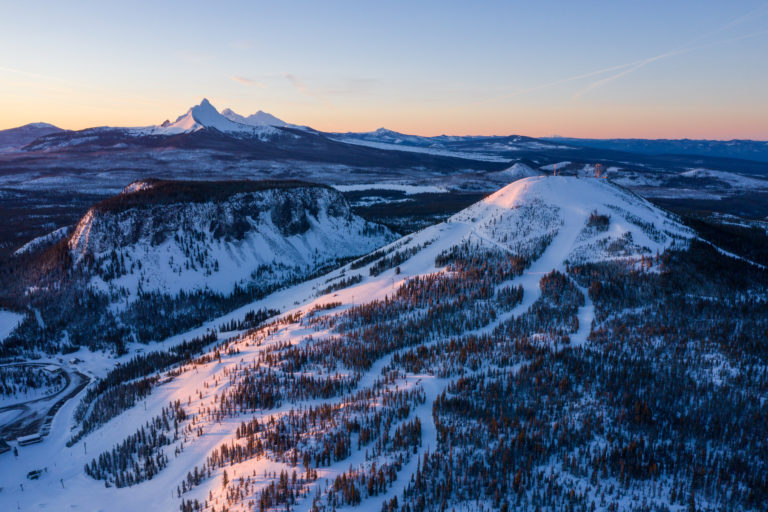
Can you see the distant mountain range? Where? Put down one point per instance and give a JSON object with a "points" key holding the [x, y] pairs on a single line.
{"points": [[756, 150], [265, 127], [15, 138], [257, 137]]}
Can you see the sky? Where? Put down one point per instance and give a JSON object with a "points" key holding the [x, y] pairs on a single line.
{"points": [[608, 69]]}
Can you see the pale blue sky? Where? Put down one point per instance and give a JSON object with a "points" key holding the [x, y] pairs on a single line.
{"points": [[578, 68]]}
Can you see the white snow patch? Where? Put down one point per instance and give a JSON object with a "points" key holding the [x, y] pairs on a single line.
{"points": [[8, 322], [408, 189], [552, 167], [479, 156], [731, 178], [42, 241]]}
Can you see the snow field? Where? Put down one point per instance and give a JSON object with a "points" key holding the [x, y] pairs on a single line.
{"points": [[65, 485]]}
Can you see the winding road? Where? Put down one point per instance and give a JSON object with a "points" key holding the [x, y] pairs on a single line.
{"points": [[35, 416]]}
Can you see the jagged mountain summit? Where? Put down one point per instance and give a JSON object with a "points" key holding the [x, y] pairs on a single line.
{"points": [[260, 118], [201, 124], [205, 116]]}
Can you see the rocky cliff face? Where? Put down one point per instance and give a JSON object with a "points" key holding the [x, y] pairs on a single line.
{"points": [[172, 236]]}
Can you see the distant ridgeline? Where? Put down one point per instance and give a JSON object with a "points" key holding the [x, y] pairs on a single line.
{"points": [[190, 250], [153, 192]]}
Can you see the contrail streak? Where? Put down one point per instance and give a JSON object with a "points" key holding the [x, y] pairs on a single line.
{"points": [[36, 75], [599, 83], [630, 67]]}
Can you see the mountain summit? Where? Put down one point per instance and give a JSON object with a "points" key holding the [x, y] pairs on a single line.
{"points": [[204, 116], [22, 135], [260, 118]]}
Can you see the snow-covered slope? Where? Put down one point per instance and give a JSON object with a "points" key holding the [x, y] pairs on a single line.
{"points": [[260, 118], [149, 240], [493, 148], [8, 322], [729, 179], [389, 140], [517, 171], [199, 121], [593, 219], [204, 116], [546, 219], [43, 241], [14, 138]]}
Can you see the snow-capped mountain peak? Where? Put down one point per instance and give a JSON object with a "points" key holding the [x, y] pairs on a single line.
{"points": [[202, 116], [260, 118], [206, 116], [42, 125], [516, 172], [591, 219]]}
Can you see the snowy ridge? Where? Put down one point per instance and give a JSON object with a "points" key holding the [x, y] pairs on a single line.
{"points": [[260, 118], [43, 241], [731, 178], [516, 172], [400, 187], [15, 138], [204, 116], [218, 244], [397, 146], [137, 186]]}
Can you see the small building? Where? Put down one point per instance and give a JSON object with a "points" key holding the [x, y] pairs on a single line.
{"points": [[75, 360], [30, 439], [52, 368]]}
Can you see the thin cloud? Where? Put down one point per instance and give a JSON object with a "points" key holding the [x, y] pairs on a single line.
{"points": [[631, 69], [686, 48], [297, 83], [741, 19], [247, 81], [37, 75], [564, 80], [301, 87]]}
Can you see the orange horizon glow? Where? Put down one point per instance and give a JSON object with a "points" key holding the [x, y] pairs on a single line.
{"points": [[531, 121]]}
